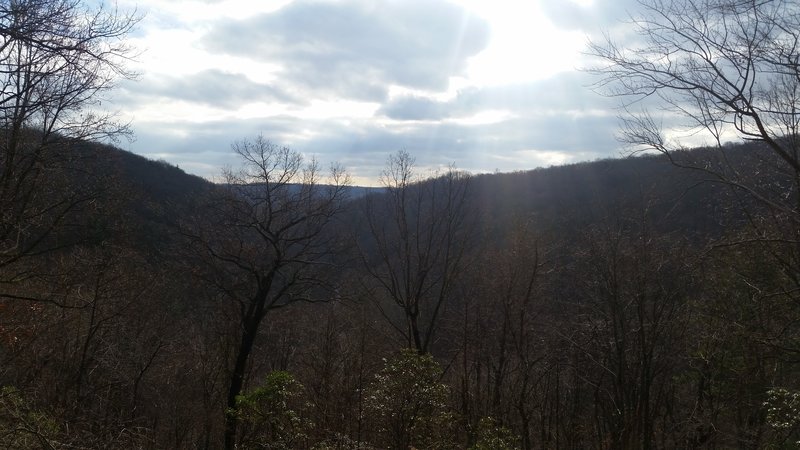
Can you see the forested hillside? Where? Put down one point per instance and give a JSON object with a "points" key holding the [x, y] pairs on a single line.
{"points": [[643, 302], [584, 306]]}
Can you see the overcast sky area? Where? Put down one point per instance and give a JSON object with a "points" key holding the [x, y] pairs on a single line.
{"points": [[484, 85]]}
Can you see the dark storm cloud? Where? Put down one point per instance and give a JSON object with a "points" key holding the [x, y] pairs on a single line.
{"points": [[356, 49], [570, 91], [210, 87]]}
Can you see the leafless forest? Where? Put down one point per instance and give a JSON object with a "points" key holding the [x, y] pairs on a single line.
{"points": [[651, 301]]}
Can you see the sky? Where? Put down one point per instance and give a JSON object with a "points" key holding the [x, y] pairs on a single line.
{"points": [[485, 86]]}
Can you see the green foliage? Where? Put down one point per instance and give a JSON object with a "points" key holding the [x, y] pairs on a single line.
{"points": [[272, 414], [783, 413], [408, 403], [21, 426], [342, 442], [493, 436], [783, 408]]}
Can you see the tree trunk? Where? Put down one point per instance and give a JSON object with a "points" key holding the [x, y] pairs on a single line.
{"points": [[237, 377]]}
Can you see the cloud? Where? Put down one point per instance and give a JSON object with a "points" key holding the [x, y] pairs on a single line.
{"points": [[305, 68], [472, 147], [414, 107], [598, 15], [355, 48], [569, 91], [362, 146], [210, 87]]}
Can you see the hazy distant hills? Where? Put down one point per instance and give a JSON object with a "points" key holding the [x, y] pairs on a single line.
{"points": [[148, 194]]}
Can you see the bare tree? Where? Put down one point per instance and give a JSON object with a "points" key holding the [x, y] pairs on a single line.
{"points": [[415, 246], [634, 313], [57, 59], [268, 245], [719, 69], [724, 70], [505, 356]]}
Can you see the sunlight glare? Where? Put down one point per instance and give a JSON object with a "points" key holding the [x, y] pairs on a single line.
{"points": [[525, 45]]}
